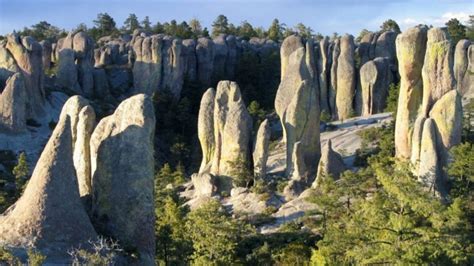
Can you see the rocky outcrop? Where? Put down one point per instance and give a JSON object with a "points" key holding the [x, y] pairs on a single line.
{"points": [[345, 88], [47, 51], [463, 56], [447, 115], [206, 128], [429, 171], [336, 51], [411, 46], [366, 49], [49, 216], [232, 130], [437, 72], [375, 79], [82, 118], [289, 45], [204, 185], [76, 64], [173, 66], [122, 176], [385, 46], [260, 150], [324, 69], [330, 165], [28, 58], [189, 59], [416, 140], [147, 69], [13, 105], [297, 105], [205, 59]]}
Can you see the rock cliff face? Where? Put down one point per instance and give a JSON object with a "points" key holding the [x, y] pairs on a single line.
{"points": [[13, 105], [122, 176], [411, 47], [49, 216]]}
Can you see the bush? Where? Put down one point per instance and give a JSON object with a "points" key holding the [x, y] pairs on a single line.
{"points": [[35, 258], [104, 252]]}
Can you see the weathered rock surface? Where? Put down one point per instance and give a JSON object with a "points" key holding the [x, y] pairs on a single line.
{"points": [[204, 185], [47, 51], [297, 105], [375, 79], [173, 66], [260, 150], [385, 46], [345, 90], [324, 69], [82, 118], [330, 165], [416, 140], [232, 130], [447, 115], [411, 46], [437, 72], [463, 55], [83, 46], [336, 51], [206, 128], [189, 58], [122, 176], [49, 216], [147, 69], [28, 57], [13, 105], [289, 45], [67, 71], [429, 168], [205, 59]]}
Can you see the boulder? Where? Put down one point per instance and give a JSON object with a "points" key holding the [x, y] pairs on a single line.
{"points": [[13, 105], [205, 59], [66, 76], [411, 46], [330, 165], [260, 150], [122, 168], [206, 129], [232, 130], [345, 90], [8, 65], [375, 79], [82, 118], [204, 185], [385, 46], [437, 72], [366, 49], [49, 216]]}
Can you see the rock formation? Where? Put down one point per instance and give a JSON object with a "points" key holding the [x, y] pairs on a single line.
{"points": [[189, 59], [13, 105], [147, 69], [297, 105], [429, 171], [49, 216], [411, 46], [232, 130], [205, 59], [375, 79], [47, 51], [122, 176], [464, 67], [345, 88], [82, 118], [206, 128], [204, 185], [289, 45], [336, 51], [260, 150], [330, 165], [25, 55], [437, 72], [76, 63]]}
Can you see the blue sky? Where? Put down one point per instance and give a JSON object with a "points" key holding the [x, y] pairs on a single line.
{"points": [[328, 16]]}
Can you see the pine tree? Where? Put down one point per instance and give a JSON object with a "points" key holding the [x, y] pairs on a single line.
{"points": [[146, 24], [390, 25], [220, 26], [456, 30], [21, 171], [275, 31], [131, 23]]}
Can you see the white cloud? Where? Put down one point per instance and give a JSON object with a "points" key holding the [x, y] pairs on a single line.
{"points": [[463, 17]]}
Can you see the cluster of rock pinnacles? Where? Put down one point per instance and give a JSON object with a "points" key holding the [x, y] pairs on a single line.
{"points": [[97, 178]]}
